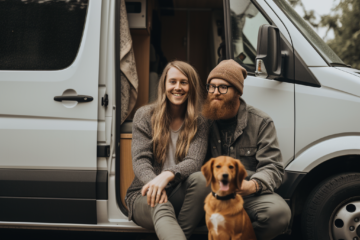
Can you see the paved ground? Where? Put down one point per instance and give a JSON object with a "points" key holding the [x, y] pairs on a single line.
{"points": [[23, 234], [7, 234]]}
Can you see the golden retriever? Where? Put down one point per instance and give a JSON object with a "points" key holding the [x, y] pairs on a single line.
{"points": [[225, 215]]}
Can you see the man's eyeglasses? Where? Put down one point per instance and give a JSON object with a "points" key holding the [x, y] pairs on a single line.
{"points": [[223, 89]]}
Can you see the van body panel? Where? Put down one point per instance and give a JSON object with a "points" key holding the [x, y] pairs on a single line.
{"points": [[300, 44], [355, 72], [325, 150], [338, 79], [38, 143], [326, 112], [48, 210], [121, 226], [277, 100], [48, 183], [113, 210], [290, 182]]}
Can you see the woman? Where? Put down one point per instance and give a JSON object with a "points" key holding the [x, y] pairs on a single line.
{"points": [[168, 148]]}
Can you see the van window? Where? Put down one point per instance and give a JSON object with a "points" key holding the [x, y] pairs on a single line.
{"points": [[245, 22], [328, 54], [40, 35]]}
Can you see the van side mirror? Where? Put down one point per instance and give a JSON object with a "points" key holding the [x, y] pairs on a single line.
{"points": [[268, 56]]}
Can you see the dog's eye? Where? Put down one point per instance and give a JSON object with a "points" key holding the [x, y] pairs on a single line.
{"points": [[218, 166], [231, 167]]}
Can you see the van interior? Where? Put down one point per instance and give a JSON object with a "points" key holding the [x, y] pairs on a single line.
{"points": [[186, 30]]}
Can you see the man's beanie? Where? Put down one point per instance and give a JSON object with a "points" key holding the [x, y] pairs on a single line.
{"points": [[230, 71]]}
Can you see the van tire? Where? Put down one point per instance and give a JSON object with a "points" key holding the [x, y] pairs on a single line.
{"points": [[324, 200]]}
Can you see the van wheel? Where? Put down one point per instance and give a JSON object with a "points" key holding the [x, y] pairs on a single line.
{"points": [[332, 210]]}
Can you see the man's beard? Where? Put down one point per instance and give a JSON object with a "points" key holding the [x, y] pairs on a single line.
{"points": [[223, 109]]}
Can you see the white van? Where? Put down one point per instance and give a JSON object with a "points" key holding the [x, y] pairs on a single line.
{"points": [[65, 161]]}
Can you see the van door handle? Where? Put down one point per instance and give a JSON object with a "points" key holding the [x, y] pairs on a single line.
{"points": [[78, 98]]}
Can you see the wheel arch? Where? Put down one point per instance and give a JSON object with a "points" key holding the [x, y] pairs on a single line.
{"points": [[323, 150], [317, 156], [323, 171], [298, 185]]}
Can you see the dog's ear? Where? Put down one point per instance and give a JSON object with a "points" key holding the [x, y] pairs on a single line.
{"points": [[240, 174], [207, 170]]}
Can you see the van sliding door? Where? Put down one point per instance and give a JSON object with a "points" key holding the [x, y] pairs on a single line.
{"points": [[49, 70]]}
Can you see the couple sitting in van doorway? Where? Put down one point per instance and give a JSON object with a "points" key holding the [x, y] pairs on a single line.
{"points": [[171, 140]]}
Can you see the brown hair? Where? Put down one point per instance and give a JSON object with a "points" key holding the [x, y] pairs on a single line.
{"points": [[160, 120]]}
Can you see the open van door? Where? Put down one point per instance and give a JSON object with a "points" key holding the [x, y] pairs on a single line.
{"points": [[276, 96], [49, 71]]}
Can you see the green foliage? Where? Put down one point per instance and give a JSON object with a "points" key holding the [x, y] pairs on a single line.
{"points": [[345, 22], [346, 26]]}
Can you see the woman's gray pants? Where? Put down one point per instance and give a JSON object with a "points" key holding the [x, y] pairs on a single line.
{"points": [[177, 218]]}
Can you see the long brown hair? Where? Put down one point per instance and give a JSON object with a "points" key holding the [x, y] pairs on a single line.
{"points": [[161, 119]]}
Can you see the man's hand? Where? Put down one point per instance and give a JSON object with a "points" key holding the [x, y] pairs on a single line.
{"points": [[248, 187], [155, 189]]}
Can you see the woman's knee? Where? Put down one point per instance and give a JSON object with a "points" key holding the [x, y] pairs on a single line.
{"points": [[197, 182], [163, 210], [197, 178], [142, 213], [196, 186]]}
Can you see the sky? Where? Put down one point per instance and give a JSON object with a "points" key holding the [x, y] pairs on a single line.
{"points": [[321, 7]]}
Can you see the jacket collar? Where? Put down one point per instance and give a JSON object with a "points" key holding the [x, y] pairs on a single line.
{"points": [[241, 119]]}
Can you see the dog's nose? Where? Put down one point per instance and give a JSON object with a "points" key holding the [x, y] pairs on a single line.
{"points": [[225, 175]]}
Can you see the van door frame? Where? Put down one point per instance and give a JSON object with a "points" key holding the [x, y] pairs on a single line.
{"points": [[118, 107], [227, 27], [227, 24]]}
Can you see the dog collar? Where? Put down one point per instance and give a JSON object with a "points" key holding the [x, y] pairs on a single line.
{"points": [[227, 197]]}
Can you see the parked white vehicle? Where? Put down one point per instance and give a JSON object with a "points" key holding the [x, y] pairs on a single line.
{"points": [[63, 164]]}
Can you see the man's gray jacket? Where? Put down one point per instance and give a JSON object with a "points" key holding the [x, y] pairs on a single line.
{"points": [[255, 144]]}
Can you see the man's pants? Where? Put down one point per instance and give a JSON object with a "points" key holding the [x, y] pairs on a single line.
{"points": [[269, 213], [177, 218]]}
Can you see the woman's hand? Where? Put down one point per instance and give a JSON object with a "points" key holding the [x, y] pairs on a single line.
{"points": [[163, 198], [154, 189]]}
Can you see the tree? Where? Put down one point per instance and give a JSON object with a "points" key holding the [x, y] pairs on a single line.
{"points": [[344, 21], [346, 26]]}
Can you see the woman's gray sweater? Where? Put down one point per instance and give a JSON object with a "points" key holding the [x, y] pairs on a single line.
{"points": [[144, 165]]}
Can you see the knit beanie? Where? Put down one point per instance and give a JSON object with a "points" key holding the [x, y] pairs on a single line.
{"points": [[230, 71]]}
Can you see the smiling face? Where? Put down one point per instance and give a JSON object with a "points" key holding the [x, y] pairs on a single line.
{"points": [[225, 174], [176, 87]]}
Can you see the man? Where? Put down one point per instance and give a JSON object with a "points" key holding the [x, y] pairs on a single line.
{"points": [[243, 132]]}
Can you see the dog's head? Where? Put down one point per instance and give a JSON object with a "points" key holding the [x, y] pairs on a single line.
{"points": [[224, 173]]}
